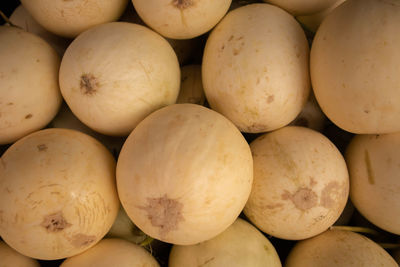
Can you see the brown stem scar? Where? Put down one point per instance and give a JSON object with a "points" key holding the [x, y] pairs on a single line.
{"points": [[303, 199], [164, 213], [89, 84], [55, 222], [183, 4]]}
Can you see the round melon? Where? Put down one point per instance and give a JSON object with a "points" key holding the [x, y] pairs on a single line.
{"points": [[255, 68], [354, 66], [374, 167], [241, 245], [29, 92], [57, 193], [114, 75], [112, 252], [69, 18], [301, 183], [338, 248], [181, 19], [184, 174]]}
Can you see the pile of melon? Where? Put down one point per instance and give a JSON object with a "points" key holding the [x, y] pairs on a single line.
{"points": [[200, 133]]}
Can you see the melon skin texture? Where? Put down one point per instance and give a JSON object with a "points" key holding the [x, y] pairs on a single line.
{"points": [[113, 75], [70, 18], [181, 19], [112, 252], [29, 92], [302, 7], [21, 17], [354, 65], [374, 167], [240, 245], [11, 258], [189, 179], [255, 68], [301, 183], [57, 194], [337, 248]]}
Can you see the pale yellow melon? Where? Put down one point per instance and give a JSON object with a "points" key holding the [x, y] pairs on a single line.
{"points": [[112, 252], [354, 66], [374, 166], [57, 193], [11, 258], [114, 75], [241, 245], [301, 183], [255, 68], [29, 92], [184, 174], [69, 18], [336, 248], [181, 19]]}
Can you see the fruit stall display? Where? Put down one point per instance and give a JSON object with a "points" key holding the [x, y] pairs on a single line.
{"points": [[200, 133]]}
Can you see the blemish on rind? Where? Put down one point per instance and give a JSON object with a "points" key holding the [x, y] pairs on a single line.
{"points": [[42, 147], [183, 4], [164, 213], [303, 199], [88, 84], [82, 240], [55, 222], [28, 116], [370, 172], [331, 194], [207, 261]]}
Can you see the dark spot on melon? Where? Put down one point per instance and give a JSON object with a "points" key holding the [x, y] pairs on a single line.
{"points": [[303, 199], [89, 84], [183, 4], [164, 213], [82, 240], [55, 222], [28, 116], [42, 147]]}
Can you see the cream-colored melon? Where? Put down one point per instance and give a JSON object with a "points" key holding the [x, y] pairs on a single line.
{"points": [[255, 68], [11, 258], [374, 167], [29, 92], [184, 174], [337, 248], [241, 245], [354, 66], [57, 193], [302, 7], [181, 19], [301, 183], [114, 75], [21, 17], [112, 252], [69, 18]]}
